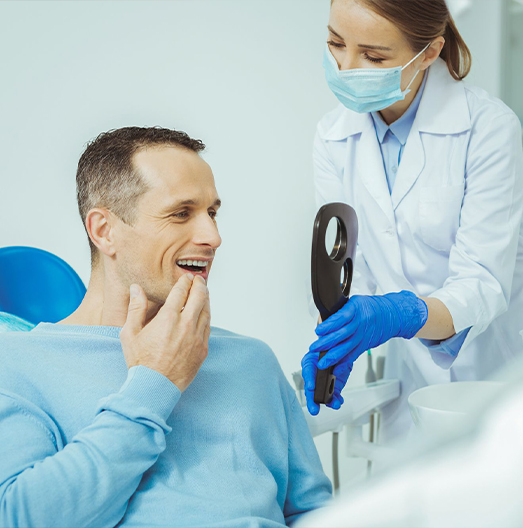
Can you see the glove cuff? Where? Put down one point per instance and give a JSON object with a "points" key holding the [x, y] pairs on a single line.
{"points": [[412, 311]]}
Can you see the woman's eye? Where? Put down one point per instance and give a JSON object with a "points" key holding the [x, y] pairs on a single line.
{"points": [[213, 214], [335, 44], [372, 59]]}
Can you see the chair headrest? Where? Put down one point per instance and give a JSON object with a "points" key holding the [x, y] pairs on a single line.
{"points": [[37, 285], [12, 323]]}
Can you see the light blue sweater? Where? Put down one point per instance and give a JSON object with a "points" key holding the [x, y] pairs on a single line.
{"points": [[85, 442]]}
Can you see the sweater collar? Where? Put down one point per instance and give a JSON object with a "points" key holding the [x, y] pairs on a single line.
{"points": [[108, 331]]}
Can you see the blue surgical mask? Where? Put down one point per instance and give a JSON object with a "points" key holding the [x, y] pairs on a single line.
{"points": [[366, 89]]}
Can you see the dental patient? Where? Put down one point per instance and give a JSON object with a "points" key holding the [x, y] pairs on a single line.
{"points": [[133, 411]]}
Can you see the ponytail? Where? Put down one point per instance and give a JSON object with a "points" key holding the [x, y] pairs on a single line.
{"points": [[455, 52]]}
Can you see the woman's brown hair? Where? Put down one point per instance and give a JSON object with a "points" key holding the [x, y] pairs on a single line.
{"points": [[421, 21]]}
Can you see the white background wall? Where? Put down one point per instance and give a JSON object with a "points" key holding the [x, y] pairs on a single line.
{"points": [[245, 76], [480, 24]]}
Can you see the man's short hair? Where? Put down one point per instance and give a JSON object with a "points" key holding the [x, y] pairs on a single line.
{"points": [[107, 177]]}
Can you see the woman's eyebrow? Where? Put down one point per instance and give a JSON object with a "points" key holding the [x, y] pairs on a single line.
{"points": [[334, 33], [368, 46]]}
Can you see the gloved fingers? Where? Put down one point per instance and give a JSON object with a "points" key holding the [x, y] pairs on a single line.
{"points": [[343, 316], [308, 371], [313, 407], [309, 367], [345, 352], [342, 372], [330, 340], [336, 402]]}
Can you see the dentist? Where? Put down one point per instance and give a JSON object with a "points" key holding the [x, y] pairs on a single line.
{"points": [[434, 169]]}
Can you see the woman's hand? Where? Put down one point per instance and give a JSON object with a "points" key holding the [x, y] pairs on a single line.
{"points": [[366, 321], [309, 366]]}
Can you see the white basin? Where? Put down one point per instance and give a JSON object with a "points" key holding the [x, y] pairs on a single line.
{"points": [[446, 410]]}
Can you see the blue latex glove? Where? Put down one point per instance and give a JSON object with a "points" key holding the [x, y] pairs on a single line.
{"points": [[309, 365], [366, 321]]}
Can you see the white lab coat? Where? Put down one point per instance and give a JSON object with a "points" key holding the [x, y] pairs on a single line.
{"points": [[451, 229]]}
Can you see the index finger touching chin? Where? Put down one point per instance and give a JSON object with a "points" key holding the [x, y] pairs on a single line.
{"points": [[179, 293], [197, 298]]}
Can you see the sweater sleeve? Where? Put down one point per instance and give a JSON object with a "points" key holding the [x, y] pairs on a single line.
{"points": [[89, 481], [308, 486]]}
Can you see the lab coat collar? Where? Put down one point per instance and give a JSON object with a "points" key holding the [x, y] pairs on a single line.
{"points": [[443, 109], [402, 126], [381, 127], [348, 124]]}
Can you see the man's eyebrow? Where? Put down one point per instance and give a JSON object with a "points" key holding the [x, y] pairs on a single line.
{"points": [[217, 203]]}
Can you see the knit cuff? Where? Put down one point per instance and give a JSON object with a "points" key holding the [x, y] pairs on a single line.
{"points": [[149, 388], [146, 396]]}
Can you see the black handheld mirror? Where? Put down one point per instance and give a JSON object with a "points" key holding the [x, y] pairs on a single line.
{"points": [[331, 274]]}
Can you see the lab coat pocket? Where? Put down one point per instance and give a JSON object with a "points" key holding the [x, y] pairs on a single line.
{"points": [[439, 214]]}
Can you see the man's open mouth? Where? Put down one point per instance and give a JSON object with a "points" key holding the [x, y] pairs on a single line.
{"points": [[195, 266]]}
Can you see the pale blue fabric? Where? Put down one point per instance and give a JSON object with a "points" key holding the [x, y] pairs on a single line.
{"points": [[366, 90], [12, 323], [85, 442], [445, 352], [392, 139]]}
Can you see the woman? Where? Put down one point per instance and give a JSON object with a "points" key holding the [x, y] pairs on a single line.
{"points": [[434, 169]]}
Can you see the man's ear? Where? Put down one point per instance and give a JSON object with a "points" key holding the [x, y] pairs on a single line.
{"points": [[432, 52], [99, 225]]}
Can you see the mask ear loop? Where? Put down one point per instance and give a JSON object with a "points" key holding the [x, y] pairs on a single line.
{"points": [[409, 63]]}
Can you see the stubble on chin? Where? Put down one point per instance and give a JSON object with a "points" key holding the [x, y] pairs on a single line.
{"points": [[155, 290]]}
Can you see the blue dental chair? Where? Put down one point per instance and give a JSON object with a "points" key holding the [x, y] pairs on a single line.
{"points": [[36, 286]]}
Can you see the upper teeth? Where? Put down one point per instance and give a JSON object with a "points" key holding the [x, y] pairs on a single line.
{"points": [[199, 263]]}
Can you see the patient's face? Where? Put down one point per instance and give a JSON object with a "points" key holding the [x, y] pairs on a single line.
{"points": [[175, 230]]}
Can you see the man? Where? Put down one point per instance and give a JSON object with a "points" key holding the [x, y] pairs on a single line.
{"points": [[133, 411]]}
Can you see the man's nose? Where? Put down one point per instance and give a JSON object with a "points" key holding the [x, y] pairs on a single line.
{"points": [[207, 233]]}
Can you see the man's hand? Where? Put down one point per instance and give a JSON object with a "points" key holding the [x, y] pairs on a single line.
{"points": [[175, 342]]}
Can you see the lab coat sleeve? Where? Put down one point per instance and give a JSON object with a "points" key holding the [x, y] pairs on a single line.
{"points": [[328, 186], [482, 259], [308, 487], [89, 481]]}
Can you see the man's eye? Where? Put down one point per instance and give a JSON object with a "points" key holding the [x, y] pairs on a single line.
{"points": [[183, 214], [335, 44]]}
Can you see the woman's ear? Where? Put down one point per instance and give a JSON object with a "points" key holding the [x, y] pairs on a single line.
{"points": [[99, 226], [432, 52]]}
